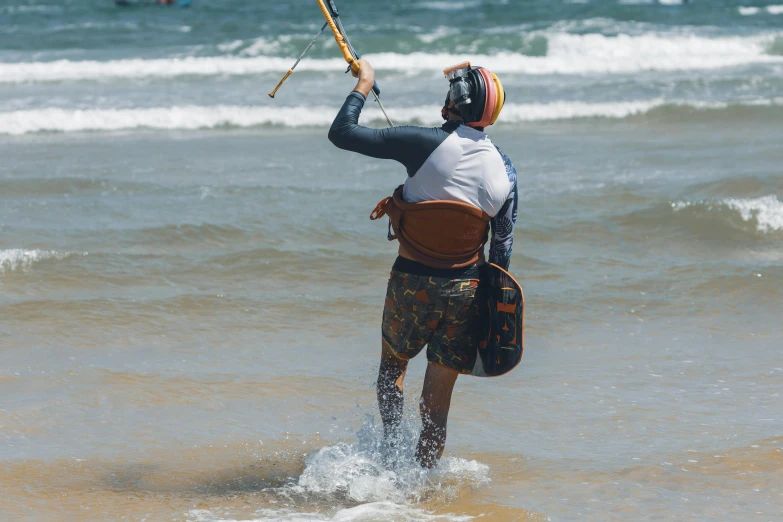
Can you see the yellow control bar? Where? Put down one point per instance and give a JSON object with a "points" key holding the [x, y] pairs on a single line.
{"points": [[339, 37]]}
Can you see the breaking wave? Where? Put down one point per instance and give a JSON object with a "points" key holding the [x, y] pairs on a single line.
{"points": [[764, 214], [448, 6], [193, 117], [565, 54], [730, 221], [19, 259], [752, 11]]}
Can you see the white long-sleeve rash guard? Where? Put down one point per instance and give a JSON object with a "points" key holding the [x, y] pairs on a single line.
{"points": [[453, 162]]}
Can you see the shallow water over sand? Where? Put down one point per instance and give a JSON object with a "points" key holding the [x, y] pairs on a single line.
{"points": [[190, 332]]}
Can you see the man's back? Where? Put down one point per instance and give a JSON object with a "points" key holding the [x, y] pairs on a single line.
{"points": [[465, 167]]}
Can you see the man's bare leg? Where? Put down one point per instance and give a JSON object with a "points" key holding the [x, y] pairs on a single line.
{"points": [[435, 402], [389, 389]]}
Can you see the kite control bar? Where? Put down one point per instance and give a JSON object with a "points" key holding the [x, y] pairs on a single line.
{"points": [[291, 70], [332, 16]]}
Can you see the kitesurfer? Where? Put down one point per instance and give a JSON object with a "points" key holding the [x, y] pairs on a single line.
{"points": [[458, 186]]}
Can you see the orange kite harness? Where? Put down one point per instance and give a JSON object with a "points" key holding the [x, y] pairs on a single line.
{"points": [[440, 234]]}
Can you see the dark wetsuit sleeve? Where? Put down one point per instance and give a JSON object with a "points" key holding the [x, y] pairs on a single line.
{"points": [[409, 145], [503, 223]]}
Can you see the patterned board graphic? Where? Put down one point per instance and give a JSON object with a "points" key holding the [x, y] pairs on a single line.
{"points": [[501, 325]]}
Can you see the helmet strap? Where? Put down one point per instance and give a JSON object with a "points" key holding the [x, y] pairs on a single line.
{"points": [[447, 110]]}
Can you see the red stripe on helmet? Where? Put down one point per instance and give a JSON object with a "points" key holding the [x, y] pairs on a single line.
{"points": [[489, 101]]}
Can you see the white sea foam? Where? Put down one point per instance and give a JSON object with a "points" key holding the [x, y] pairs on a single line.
{"points": [[766, 211], [14, 9], [370, 471], [193, 117], [186, 117], [567, 54], [517, 113], [625, 53], [265, 46], [649, 2], [384, 477], [66, 70], [23, 260], [437, 34], [751, 11], [228, 47], [449, 5], [371, 512], [386, 481]]}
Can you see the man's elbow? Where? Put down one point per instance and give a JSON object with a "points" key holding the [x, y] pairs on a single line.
{"points": [[344, 134], [335, 136], [338, 135]]}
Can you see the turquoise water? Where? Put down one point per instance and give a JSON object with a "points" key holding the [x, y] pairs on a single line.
{"points": [[191, 289], [212, 65]]}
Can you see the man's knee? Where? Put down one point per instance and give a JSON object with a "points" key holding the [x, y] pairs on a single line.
{"points": [[391, 378], [391, 372], [391, 363]]}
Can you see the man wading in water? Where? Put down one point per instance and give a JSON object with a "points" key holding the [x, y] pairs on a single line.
{"points": [[458, 185]]}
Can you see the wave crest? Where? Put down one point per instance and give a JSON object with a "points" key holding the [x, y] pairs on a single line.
{"points": [[765, 212], [19, 259], [763, 215], [565, 54], [752, 11], [193, 117]]}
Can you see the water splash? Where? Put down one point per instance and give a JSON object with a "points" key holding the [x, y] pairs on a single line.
{"points": [[369, 480], [372, 470]]}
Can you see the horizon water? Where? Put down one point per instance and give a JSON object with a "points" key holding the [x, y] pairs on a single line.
{"points": [[191, 289]]}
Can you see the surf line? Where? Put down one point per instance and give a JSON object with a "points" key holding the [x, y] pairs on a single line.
{"points": [[332, 16]]}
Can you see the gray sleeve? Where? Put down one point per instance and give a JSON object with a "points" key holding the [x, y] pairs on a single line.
{"points": [[408, 145]]}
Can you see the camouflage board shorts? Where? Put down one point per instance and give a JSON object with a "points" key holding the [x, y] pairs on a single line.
{"points": [[439, 312]]}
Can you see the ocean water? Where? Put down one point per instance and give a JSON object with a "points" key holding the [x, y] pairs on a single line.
{"points": [[191, 289]]}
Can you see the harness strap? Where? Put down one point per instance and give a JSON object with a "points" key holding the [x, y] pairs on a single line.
{"points": [[379, 212], [380, 209]]}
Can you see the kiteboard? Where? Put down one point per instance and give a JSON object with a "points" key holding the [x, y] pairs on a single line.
{"points": [[501, 326]]}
